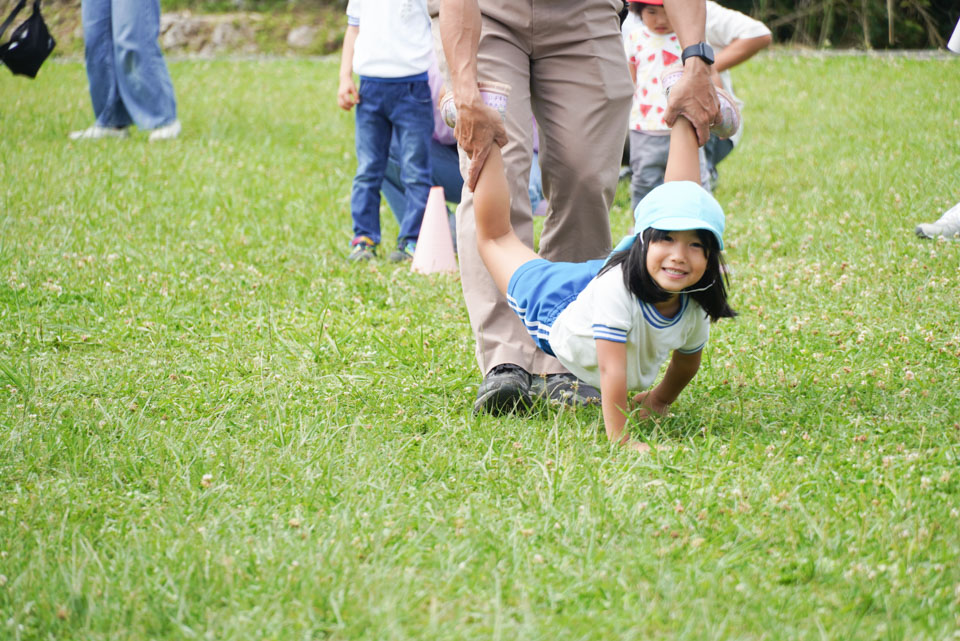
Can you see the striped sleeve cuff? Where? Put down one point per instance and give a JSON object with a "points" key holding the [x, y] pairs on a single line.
{"points": [[612, 334], [694, 350]]}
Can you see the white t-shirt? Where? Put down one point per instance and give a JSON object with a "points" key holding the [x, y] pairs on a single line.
{"points": [[394, 40], [605, 309], [723, 27]]}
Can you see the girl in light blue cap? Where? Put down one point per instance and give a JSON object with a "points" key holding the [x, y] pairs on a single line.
{"points": [[614, 322]]}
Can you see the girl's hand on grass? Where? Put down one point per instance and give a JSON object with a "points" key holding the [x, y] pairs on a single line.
{"points": [[649, 405]]}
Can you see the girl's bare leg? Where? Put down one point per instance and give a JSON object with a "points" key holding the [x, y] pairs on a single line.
{"points": [[499, 247], [683, 160]]}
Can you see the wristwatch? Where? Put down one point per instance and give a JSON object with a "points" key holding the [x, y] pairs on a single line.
{"points": [[700, 50]]}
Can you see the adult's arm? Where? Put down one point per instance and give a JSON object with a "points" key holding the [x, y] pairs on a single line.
{"points": [[694, 96], [478, 126], [740, 50]]}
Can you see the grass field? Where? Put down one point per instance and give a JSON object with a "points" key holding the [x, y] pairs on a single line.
{"points": [[213, 427]]}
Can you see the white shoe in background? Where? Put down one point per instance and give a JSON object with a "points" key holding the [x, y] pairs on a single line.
{"points": [[166, 132], [96, 132], [948, 226]]}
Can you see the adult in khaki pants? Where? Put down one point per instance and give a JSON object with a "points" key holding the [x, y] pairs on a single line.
{"points": [[565, 64]]}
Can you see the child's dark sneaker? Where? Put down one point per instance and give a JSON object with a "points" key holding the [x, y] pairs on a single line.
{"points": [[730, 122], [362, 249], [403, 253]]}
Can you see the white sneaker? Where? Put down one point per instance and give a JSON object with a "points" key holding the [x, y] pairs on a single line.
{"points": [[95, 132], [166, 132], [948, 226]]}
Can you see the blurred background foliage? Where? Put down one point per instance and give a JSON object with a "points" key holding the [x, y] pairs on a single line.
{"points": [[869, 24], [866, 24], [841, 24]]}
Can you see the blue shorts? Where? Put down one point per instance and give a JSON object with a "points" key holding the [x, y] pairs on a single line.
{"points": [[540, 289]]}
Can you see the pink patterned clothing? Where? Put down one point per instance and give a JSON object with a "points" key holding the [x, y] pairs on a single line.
{"points": [[650, 53]]}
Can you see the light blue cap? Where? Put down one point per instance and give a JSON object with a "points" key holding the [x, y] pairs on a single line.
{"points": [[676, 206]]}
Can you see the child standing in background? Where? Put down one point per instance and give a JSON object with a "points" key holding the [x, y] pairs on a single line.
{"points": [[389, 45], [651, 47], [735, 38]]}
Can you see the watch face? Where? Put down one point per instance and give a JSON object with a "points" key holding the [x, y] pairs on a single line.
{"points": [[701, 50]]}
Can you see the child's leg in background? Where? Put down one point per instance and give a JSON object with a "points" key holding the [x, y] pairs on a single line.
{"points": [[716, 150], [412, 118], [500, 248], [683, 162], [648, 161], [373, 131]]}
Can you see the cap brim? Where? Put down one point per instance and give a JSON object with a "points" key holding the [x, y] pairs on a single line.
{"points": [[683, 223]]}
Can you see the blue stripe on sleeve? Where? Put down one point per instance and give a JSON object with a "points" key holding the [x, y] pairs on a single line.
{"points": [[693, 351], [613, 334]]}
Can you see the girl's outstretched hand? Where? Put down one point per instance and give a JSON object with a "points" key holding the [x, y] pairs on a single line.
{"points": [[649, 405]]}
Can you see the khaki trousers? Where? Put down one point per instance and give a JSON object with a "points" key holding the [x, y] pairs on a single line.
{"points": [[565, 63]]}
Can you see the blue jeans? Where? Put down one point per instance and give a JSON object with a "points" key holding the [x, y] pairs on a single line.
{"points": [[129, 81], [385, 107], [445, 172]]}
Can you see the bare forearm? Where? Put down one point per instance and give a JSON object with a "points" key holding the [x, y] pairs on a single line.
{"points": [[688, 18], [683, 161], [346, 56], [612, 363], [613, 401], [740, 50], [460, 34], [682, 369]]}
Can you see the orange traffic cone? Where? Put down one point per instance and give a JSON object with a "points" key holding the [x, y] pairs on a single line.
{"points": [[434, 251]]}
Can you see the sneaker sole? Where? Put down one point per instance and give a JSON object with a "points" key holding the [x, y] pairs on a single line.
{"points": [[501, 401]]}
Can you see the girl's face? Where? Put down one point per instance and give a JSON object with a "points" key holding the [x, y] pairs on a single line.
{"points": [[678, 261], [655, 19]]}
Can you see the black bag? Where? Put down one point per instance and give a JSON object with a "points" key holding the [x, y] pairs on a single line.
{"points": [[30, 43]]}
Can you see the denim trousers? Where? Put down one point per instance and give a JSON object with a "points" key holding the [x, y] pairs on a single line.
{"points": [[129, 81], [444, 171], [385, 107]]}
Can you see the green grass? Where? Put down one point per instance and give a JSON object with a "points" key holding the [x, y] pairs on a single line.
{"points": [[213, 427]]}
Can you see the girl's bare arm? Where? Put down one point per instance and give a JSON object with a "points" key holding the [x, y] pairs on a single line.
{"points": [[683, 160], [612, 360], [680, 371]]}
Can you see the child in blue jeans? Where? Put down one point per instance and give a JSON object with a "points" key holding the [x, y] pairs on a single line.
{"points": [[388, 44]]}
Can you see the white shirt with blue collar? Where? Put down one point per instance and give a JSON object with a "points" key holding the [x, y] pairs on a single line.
{"points": [[607, 310]]}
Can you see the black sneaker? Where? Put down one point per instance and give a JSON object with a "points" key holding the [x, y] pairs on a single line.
{"points": [[505, 388], [401, 254], [564, 389]]}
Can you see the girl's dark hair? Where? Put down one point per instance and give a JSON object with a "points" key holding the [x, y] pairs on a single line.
{"points": [[638, 280]]}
